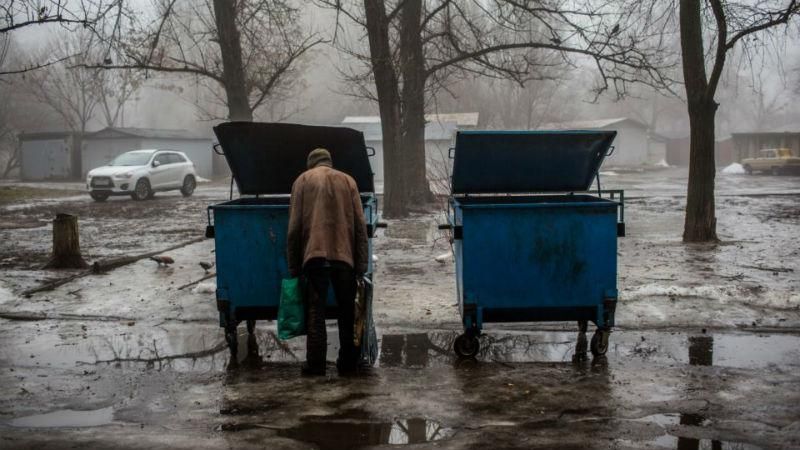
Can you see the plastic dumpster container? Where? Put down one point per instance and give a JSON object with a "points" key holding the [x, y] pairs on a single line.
{"points": [[250, 232], [530, 243]]}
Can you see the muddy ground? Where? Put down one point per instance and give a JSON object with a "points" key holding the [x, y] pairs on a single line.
{"points": [[706, 354]]}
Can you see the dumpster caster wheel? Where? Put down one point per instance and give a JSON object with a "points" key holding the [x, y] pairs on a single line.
{"points": [[232, 340], [599, 344], [251, 326], [467, 346]]}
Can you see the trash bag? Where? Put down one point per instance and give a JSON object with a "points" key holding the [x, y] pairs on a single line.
{"points": [[364, 335], [292, 311]]}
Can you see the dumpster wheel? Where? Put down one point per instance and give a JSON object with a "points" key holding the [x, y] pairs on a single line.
{"points": [[599, 344], [467, 345]]}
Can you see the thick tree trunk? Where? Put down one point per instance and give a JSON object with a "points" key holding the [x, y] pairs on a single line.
{"points": [[230, 48], [700, 224], [66, 244], [412, 64], [386, 84]]}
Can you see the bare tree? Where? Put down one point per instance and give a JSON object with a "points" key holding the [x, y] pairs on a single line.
{"points": [[17, 112], [72, 93], [505, 104], [79, 96], [417, 48], [94, 16], [731, 23], [9, 147], [118, 89], [247, 52]]}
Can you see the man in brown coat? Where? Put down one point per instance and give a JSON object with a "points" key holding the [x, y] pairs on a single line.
{"points": [[327, 243]]}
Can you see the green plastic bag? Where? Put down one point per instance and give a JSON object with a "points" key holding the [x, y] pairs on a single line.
{"points": [[292, 311]]}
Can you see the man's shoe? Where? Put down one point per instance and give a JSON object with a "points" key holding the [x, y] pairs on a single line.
{"points": [[312, 371], [346, 369]]}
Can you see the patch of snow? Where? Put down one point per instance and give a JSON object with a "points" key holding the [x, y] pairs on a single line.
{"points": [[726, 305], [202, 180], [45, 201], [609, 173], [374, 258], [662, 163], [721, 293], [5, 294], [734, 169], [205, 288], [443, 258]]}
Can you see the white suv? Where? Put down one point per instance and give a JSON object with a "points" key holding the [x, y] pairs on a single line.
{"points": [[142, 173]]}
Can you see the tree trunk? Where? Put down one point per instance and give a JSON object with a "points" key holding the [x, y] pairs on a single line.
{"points": [[700, 224], [387, 87], [230, 48], [412, 65], [66, 244]]}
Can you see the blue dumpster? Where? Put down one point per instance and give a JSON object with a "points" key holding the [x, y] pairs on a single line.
{"points": [[530, 243], [250, 231]]}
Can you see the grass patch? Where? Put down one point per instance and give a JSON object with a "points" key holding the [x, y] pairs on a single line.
{"points": [[12, 194]]}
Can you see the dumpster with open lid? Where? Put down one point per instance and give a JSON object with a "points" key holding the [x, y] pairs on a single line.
{"points": [[531, 244], [250, 232]]}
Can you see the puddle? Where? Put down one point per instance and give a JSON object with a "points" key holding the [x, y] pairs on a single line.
{"points": [[338, 434], [66, 418], [201, 347], [740, 350], [682, 443], [667, 421]]}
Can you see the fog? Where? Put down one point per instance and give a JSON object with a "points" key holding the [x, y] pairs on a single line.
{"points": [[758, 95]]}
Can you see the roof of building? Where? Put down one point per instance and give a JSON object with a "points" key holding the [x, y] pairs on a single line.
{"points": [[783, 129], [46, 135], [589, 124], [151, 133], [434, 131], [460, 119]]}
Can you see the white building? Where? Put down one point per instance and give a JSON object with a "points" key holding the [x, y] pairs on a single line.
{"points": [[634, 145], [50, 156], [440, 131]]}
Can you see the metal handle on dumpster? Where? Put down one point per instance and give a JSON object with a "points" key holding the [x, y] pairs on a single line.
{"points": [[370, 151], [218, 149], [458, 230], [210, 232], [371, 228]]}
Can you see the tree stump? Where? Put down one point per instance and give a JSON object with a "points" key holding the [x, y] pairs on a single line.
{"points": [[66, 244]]}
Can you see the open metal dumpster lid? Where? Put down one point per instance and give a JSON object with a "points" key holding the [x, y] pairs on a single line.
{"points": [[266, 158], [528, 161]]}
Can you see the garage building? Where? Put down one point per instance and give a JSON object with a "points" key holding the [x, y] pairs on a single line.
{"points": [[101, 147]]}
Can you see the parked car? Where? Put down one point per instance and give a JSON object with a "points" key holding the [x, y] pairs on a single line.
{"points": [[773, 160], [142, 173]]}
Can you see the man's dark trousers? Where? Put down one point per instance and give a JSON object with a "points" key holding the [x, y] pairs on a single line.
{"points": [[321, 274]]}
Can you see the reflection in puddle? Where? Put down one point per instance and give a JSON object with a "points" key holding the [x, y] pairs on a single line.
{"points": [[201, 348], [701, 353], [66, 418], [337, 434], [741, 350]]}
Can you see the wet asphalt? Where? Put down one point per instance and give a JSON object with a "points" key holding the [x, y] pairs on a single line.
{"points": [[107, 366]]}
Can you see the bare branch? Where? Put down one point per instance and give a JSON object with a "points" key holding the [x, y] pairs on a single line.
{"points": [[36, 66]]}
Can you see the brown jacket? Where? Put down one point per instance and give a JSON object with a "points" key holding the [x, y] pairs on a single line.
{"points": [[326, 220]]}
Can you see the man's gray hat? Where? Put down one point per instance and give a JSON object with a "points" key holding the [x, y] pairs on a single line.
{"points": [[319, 156]]}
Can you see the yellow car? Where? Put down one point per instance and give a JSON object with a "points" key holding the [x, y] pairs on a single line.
{"points": [[774, 160]]}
